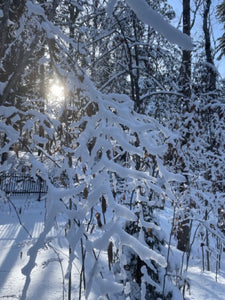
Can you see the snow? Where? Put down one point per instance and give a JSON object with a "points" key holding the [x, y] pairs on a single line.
{"points": [[169, 176], [14, 244], [2, 85], [35, 9], [203, 285], [143, 251], [146, 14], [110, 6], [47, 276]]}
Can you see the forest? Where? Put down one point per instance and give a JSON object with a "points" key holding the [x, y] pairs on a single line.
{"points": [[122, 115]]}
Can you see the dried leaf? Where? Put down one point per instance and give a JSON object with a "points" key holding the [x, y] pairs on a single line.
{"points": [[92, 109], [63, 181], [47, 124], [212, 226], [150, 231]]}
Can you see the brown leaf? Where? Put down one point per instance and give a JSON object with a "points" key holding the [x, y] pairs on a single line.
{"points": [[92, 109], [212, 226], [150, 231], [63, 181]]}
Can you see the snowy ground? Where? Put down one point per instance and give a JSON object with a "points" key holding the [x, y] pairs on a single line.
{"points": [[47, 277]]}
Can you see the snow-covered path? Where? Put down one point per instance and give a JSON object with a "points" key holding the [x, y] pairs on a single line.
{"points": [[204, 286]]}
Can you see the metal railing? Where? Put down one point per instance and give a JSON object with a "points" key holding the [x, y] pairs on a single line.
{"points": [[22, 184]]}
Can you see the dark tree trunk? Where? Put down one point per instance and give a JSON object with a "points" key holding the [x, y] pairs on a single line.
{"points": [[137, 105], [13, 60], [185, 73], [183, 234], [211, 74]]}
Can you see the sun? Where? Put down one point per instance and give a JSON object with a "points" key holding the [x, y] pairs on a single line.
{"points": [[56, 92]]}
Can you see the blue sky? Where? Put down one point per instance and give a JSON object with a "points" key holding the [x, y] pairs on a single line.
{"points": [[217, 28]]}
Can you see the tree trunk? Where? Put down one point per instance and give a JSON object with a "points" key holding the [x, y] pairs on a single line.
{"points": [[211, 74], [185, 72], [183, 234]]}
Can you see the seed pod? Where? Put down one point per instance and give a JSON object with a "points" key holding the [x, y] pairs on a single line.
{"points": [[104, 205], [76, 178], [150, 231], [70, 162], [110, 254], [84, 169], [98, 218], [85, 192]]}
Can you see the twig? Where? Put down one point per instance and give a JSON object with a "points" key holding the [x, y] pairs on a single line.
{"points": [[19, 218]]}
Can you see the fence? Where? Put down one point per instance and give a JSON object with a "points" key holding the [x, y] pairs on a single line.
{"points": [[21, 184]]}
